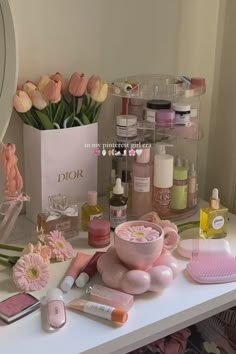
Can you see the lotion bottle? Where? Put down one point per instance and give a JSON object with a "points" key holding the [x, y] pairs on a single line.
{"points": [[142, 175], [163, 180]]}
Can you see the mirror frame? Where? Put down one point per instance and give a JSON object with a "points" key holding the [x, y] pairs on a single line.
{"points": [[10, 66]]}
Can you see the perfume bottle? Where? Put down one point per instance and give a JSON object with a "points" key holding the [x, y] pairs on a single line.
{"points": [[91, 210], [126, 183], [213, 220], [142, 174]]}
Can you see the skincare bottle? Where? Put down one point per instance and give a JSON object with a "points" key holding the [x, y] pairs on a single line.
{"points": [[213, 220], [91, 210], [142, 173], [126, 183], [179, 190], [163, 180], [192, 187], [118, 205], [112, 183]]}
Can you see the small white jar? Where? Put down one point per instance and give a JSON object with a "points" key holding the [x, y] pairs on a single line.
{"points": [[182, 113], [126, 126]]}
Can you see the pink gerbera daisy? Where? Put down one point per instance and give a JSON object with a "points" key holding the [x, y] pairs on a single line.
{"points": [[60, 248], [30, 272], [139, 234]]}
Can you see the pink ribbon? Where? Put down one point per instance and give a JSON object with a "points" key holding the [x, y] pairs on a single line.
{"points": [[13, 207]]}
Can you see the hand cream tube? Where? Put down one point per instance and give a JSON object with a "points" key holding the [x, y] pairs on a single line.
{"points": [[89, 270], [109, 313], [77, 265]]}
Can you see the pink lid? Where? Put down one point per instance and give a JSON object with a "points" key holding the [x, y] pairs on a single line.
{"points": [[144, 157], [198, 81], [99, 226], [92, 198]]}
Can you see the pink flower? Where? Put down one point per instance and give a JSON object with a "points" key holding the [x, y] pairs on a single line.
{"points": [[44, 80], [43, 251], [52, 91], [60, 248], [22, 102], [139, 234], [77, 84], [151, 217], [132, 152], [29, 86], [38, 100], [167, 223], [93, 81], [100, 91], [59, 77], [30, 272]]}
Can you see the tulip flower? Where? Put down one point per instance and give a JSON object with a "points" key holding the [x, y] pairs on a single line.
{"points": [[38, 100], [99, 93], [58, 77], [93, 81], [29, 86], [52, 91], [22, 102], [77, 84], [43, 82]]}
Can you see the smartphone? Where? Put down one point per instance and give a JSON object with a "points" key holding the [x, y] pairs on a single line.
{"points": [[18, 306]]}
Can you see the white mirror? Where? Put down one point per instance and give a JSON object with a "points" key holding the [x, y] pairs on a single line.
{"points": [[8, 65]]}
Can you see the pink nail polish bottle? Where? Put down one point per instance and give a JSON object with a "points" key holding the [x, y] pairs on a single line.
{"points": [[110, 297], [56, 312]]}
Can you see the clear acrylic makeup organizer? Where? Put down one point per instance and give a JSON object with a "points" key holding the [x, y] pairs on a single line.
{"points": [[184, 139]]}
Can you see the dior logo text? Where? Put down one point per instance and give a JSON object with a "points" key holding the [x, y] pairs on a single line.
{"points": [[71, 175]]}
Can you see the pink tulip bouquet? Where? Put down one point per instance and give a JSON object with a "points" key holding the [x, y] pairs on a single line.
{"points": [[31, 268], [49, 105]]}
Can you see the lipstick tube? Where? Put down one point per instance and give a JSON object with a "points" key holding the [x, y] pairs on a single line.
{"points": [[77, 265], [89, 270], [109, 313]]}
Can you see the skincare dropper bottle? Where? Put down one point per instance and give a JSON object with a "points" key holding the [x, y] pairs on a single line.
{"points": [[118, 205], [91, 210], [213, 220]]}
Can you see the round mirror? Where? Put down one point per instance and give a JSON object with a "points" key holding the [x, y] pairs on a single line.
{"points": [[8, 65]]}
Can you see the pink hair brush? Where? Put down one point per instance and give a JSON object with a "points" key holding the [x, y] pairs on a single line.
{"points": [[211, 268]]}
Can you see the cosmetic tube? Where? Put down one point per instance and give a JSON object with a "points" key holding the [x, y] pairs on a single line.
{"points": [[109, 313], [110, 297], [89, 270], [56, 313], [77, 265]]}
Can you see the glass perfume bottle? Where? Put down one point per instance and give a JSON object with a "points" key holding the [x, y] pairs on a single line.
{"points": [[118, 205], [111, 184], [91, 210], [213, 220]]}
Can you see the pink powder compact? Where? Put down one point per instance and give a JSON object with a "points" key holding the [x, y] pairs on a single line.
{"points": [[139, 234], [99, 233]]}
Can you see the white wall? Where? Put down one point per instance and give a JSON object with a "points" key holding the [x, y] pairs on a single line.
{"points": [[116, 38], [109, 37], [222, 148]]}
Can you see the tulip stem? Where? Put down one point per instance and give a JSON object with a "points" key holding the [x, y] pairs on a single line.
{"points": [[50, 111]]}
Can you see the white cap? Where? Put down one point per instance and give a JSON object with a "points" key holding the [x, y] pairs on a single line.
{"points": [[67, 283], [161, 148], [192, 171], [118, 188], [92, 198], [163, 171], [54, 294], [181, 107], [125, 120], [82, 280], [215, 194]]}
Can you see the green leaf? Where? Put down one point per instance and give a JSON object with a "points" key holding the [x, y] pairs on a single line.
{"points": [[70, 121], [85, 119], [85, 101], [96, 113], [45, 121], [59, 113], [66, 106]]}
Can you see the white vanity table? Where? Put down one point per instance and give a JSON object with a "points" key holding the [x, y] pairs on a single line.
{"points": [[153, 316]]}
